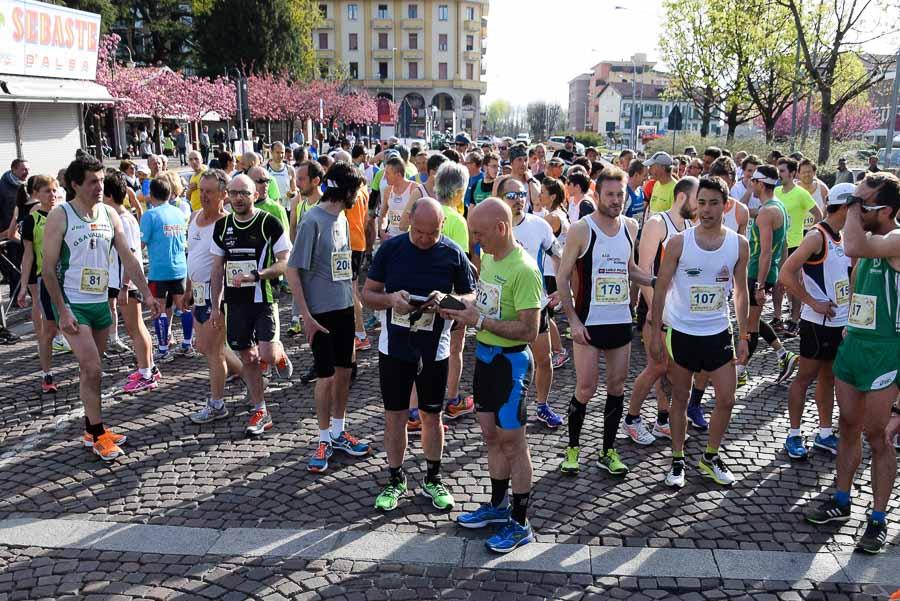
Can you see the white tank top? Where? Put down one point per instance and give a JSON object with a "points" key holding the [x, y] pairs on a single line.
{"points": [[199, 257], [84, 265], [697, 300], [604, 291], [549, 268], [132, 232], [809, 220], [828, 279], [729, 219], [396, 204], [283, 181]]}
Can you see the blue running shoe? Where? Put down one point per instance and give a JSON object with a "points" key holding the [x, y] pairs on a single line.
{"points": [[829, 443], [510, 537], [372, 322], [484, 515], [795, 447], [696, 417], [318, 463], [548, 416], [349, 444]]}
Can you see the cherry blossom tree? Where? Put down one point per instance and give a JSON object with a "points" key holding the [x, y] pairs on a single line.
{"points": [[854, 119]]}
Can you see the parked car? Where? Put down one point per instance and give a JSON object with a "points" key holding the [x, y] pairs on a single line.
{"points": [[555, 143], [482, 141], [895, 156], [524, 138]]}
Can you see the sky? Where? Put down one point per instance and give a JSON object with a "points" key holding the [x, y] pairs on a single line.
{"points": [[534, 47]]}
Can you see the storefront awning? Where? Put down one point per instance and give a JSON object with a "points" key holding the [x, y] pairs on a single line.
{"points": [[16, 88]]}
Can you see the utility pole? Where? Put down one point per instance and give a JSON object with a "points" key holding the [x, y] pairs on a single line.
{"points": [[892, 118]]}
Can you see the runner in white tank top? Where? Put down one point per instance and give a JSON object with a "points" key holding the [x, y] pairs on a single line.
{"points": [[700, 267], [395, 199]]}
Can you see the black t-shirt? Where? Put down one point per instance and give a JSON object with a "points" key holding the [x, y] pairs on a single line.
{"points": [[585, 207], [566, 155], [247, 246]]}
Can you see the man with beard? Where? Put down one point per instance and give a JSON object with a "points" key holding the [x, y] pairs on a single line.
{"points": [[249, 250], [567, 153], [599, 253], [866, 367], [309, 183]]}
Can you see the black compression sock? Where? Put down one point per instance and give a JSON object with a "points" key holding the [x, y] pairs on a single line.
{"points": [[499, 486], [767, 332], [577, 412], [95, 430], [662, 417], [752, 344], [397, 474], [696, 396], [612, 416], [520, 507], [630, 419], [433, 473]]}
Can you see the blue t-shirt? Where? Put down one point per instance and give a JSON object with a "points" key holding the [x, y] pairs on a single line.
{"points": [[400, 265], [635, 206], [470, 189], [163, 231]]}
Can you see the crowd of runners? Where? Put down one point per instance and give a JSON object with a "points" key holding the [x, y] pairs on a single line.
{"points": [[504, 244]]}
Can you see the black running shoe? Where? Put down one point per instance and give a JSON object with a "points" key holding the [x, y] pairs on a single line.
{"points": [[873, 539], [829, 511], [310, 376]]}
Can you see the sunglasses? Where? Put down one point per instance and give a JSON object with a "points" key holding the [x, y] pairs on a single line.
{"points": [[515, 195], [262, 180], [870, 208], [241, 193]]}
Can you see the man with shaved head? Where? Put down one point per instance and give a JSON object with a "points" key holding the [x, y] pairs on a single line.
{"points": [[506, 313], [283, 176], [408, 274]]}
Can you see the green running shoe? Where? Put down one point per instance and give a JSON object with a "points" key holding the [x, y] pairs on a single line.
{"points": [[743, 379], [570, 463], [439, 495], [611, 462], [387, 500]]}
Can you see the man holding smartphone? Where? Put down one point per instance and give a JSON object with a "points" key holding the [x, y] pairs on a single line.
{"points": [[414, 346]]}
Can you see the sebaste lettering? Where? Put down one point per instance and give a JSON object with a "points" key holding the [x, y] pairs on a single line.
{"points": [[47, 29]]}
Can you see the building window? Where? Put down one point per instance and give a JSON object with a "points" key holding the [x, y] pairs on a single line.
{"points": [[354, 42], [470, 43], [443, 13], [323, 69], [442, 42], [323, 41], [382, 70], [414, 70], [382, 11], [470, 13], [352, 12], [413, 41], [412, 11], [354, 70], [323, 10], [470, 71], [442, 70], [382, 41]]}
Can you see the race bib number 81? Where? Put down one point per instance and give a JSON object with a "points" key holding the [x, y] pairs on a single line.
{"points": [[94, 281]]}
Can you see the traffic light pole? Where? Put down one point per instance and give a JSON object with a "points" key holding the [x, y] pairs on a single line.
{"points": [[892, 119]]}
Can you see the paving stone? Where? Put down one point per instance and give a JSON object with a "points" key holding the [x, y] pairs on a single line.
{"points": [[630, 561], [542, 557], [776, 565]]}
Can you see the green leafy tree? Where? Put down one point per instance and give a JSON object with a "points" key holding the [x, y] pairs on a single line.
{"points": [[273, 36]]}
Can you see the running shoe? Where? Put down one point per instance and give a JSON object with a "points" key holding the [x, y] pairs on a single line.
{"points": [[786, 366], [47, 384], [716, 469], [611, 462], [791, 329], [209, 414], [675, 477], [310, 376], [60, 344], [155, 375], [829, 443], [362, 344], [413, 426], [484, 515], [696, 417], [295, 328], [743, 378], [387, 500], [118, 439], [459, 406], [665, 430], [560, 358], [439, 495], [140, 383], [510, 537], [186, 351], [570, 463], [177, 312], [795, 447], [873, 538], [777, 325], [828, 511], [117, 347], [638, 432], [372, 322], [7, 337], [284, 369], [163, 357], [105, 447], [349, 444], [547, 415], [260, 421], [318, 463]]}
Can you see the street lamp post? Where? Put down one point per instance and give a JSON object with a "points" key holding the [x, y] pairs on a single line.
{"points": [[892, 114], [393, 75]]}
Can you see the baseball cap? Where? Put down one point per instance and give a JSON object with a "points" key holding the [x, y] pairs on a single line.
{"points": [[462, 138], [759, 176], [660, 158], [840, 194], [143, 170]]}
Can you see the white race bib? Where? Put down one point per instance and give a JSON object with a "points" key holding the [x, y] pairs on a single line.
{"points": [[394, 217], [809, 221], [611, 290], [236, 268], [707, 299], [340, 266], [487, 299], [199, 293], [842, 292], [93, 280], [425, 323], [862, 311]]}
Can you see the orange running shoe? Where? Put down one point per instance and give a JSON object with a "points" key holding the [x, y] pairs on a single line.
{"points": [[106, 449], [462, 406], [118, 439]]}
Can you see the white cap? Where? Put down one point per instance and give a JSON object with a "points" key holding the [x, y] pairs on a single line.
{"points": [[840, 194]]}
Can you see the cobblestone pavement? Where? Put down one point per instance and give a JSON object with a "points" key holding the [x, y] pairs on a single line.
{"points": [[32, 573], [177, 473]]}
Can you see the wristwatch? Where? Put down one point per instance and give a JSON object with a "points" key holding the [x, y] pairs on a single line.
{"points": [[479, 325], [255, 275]]}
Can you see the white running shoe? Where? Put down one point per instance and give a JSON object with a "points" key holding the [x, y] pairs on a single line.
{"points": [[638, 432], [675, 477]]}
